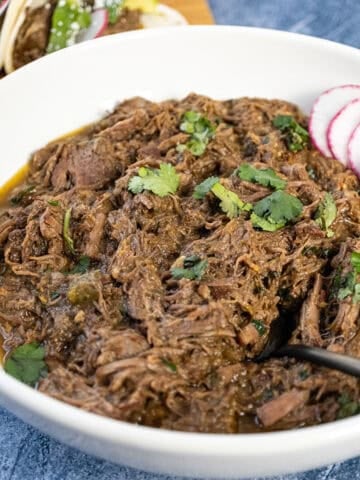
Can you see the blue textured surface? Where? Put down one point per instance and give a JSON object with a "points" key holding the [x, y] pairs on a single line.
{"points": [[27, 454]]}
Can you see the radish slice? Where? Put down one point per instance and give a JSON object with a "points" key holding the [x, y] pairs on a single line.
{"points": [[340, 129], [99, 22], [323, 111], [3, 6], [354, 150]]}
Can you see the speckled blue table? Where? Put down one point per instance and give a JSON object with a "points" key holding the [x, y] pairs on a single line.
{"points": [[27, 454]]}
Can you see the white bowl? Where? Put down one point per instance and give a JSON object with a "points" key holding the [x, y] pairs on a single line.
{"points": [[76, 86]]}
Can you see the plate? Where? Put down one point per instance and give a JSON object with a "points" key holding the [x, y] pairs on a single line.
{"points": [[73, 87]]}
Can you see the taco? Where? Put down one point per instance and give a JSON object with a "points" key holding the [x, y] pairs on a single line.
{"points": [[34, 28]]}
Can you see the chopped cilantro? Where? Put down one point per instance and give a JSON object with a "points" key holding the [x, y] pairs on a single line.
{"points": [[275, 211], [230, 202], [21, 195], [204, 187], [170, 365], [162, 181], [304, 374], [348, 407], [355, 261], [266, 177], [69, 242], [296, 137], [194, 268], [54, 295], [326, 214], [311, 172], [81, 267], [53, 203], [201, 131], [26, 363], [69, 17], [260, 327]]}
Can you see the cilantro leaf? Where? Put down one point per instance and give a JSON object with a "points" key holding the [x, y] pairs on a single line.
{"points": [[230, 202], [348, 407], [68, 19], [260, 327], [296, 137], [194, 268], [26, 363], [53, 203], [266, 225], [204, 187], [326, 214], [169, 365], [277, 210], [201, 131], [266, 177], [162, 181], [22, 194], [347, 286], [355, 261], [69, 242], [81, 267]]}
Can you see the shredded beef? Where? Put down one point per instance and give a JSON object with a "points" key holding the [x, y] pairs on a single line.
{"points": [[127, 339]]}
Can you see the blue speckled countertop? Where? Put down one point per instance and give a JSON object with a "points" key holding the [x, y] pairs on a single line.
{"points": [[27, 454]]}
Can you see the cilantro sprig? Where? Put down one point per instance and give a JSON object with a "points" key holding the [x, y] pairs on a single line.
{"points": [[162, 181], [295, 136], [230, 203], [69, 242], [266, 177], [275, 211], [201, 131], [326, 214], [194, 268], [69, 18], [347, 285], [26, 363]]}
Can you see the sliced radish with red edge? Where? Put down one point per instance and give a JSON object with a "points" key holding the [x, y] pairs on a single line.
{"points": [[340, 129], [354, 150], [3, 5], [323, 111], [99, 22]]}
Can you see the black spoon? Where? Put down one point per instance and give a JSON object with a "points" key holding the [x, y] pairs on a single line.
{"points": [[276, 346]]}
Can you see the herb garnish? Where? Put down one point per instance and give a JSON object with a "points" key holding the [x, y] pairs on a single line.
{"points": [[162, 181], [230, 202], [260, 327], [266, 177], [296, 137], [53, 203], [69, 242], [275, 211], [81, 267], [69, 17], [204, 187], [21, 195], [201, 131], [326, 214], [347, 285], [194, 268], [26, 363], [348, 407], [170, 365], [54, 295]]}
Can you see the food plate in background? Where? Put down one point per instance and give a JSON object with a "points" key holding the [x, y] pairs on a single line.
{"points": [[34, 28], [43, 115]]}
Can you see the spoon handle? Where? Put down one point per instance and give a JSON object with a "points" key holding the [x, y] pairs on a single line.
{"points": [[322, 357]]}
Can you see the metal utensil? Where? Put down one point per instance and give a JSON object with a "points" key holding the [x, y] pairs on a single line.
{"points": [[277, 346]]}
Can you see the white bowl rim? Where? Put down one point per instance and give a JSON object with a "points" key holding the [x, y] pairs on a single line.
{"points": [[141, 437]]}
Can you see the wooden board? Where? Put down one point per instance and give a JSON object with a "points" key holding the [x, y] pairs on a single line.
{"points": [[197, 12]]}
